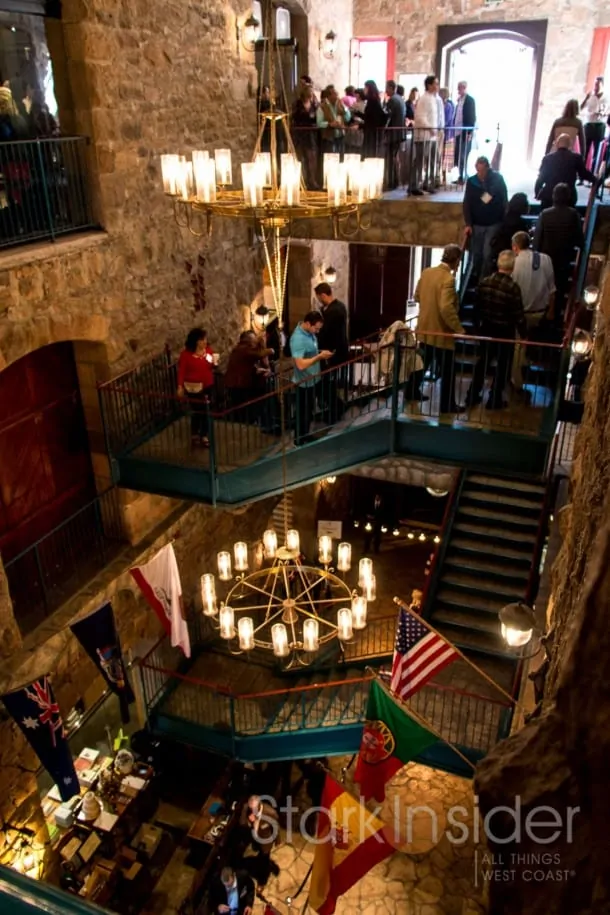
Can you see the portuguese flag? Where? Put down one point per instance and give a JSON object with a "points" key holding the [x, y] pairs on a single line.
{"points": [[349, 842], [391, 738]]}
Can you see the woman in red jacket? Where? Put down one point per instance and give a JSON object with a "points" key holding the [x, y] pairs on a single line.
{"points": [[196, 382]]}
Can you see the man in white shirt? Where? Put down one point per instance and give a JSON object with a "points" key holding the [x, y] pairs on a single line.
{"points": [[533, 273], [425, 132], [595, 107]]}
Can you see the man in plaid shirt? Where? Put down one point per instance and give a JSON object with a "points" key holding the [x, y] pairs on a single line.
{"points": [[499, 313]]}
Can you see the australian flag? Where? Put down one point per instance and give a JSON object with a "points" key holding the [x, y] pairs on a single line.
{"points": [[36, 712], [98, 636]]}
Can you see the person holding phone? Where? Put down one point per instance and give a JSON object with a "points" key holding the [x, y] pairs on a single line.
{"points": [[232, 893], [306, 357]]}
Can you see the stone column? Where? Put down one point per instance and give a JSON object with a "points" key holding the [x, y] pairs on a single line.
{"points": [[10, 636]]}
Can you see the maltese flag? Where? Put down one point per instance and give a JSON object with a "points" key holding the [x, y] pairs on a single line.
{"points": [[159, 581]]}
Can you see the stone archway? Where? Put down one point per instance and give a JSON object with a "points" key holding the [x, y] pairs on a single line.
{"points": [[20, 339]]}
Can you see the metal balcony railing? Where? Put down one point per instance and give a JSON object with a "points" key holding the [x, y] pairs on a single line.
{"points": [[44, 190], [421, 378], [51, 570]]}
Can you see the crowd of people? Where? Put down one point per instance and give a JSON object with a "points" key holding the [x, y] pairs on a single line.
{"points": [[426, 137], [521, 274], [422, 136]]}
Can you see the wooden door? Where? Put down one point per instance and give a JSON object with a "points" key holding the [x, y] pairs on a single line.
{"points": [[379, 287], [45, 465]]}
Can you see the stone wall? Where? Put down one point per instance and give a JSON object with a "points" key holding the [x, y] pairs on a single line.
{"points": [[324, 17], [568, 43], [146, 78], [559, 760], [197, 532]]}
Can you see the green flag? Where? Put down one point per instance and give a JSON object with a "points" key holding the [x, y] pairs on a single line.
{"points": [[391, 738]]}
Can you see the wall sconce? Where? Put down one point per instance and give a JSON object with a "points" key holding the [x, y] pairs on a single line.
{"points": [[330, 276], [518, 628], [261, 317], [329, 45], [591, 295], [249, 33]]}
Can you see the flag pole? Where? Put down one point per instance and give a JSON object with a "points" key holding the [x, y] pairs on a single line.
{"points": [[424, 723], [490, 680]]}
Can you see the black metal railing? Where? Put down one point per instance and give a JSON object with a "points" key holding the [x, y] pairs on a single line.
{"points": [[44, 189], [50, 571], [424, 378], [416, 158]]}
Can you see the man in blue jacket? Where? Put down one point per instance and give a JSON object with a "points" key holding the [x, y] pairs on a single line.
{"points": [[485, 200]]}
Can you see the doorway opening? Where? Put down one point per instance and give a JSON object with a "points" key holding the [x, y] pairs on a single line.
{"points": [[502, 65], [372, 58]]}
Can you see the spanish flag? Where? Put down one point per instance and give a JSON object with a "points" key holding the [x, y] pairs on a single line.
{"points": [[349, 842]]}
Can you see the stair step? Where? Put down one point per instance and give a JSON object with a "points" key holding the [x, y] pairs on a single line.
{"points": [[446, 617], [484, 548], [465, 562], [485, 603], [481, 479], [520, 539], [479, 584], [476, 640], [467, 512], [485, 497]]}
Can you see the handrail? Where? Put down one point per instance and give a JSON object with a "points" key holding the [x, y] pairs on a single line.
{"points": [[443, 530], [60, 526], [228, 694], [476, 338]]}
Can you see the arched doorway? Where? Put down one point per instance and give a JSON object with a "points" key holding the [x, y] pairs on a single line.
{"points": [[502, 63]]}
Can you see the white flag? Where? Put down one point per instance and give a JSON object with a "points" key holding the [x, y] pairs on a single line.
{"points": [[159, 581]]}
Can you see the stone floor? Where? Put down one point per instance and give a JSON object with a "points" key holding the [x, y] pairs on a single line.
{"points": [[429, 875]]}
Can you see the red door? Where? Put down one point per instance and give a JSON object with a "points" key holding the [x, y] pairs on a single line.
{"points": [[45, 466]]}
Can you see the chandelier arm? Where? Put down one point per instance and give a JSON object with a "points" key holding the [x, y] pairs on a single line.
{"points": [[246, 581], [320, 619], [307, 595], [303, 593], [332, 600], [177, 203], [271, 598], [268, 620], [190, 225]]}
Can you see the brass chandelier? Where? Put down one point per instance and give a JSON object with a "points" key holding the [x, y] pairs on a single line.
{"points": [[273, 197], [284, 605]]}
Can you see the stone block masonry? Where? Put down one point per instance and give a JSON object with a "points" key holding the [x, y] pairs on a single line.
{"points": [[145, 78], [568, 43]]}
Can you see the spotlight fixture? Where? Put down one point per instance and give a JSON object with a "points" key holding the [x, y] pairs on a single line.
{"points": [[330, 275]]}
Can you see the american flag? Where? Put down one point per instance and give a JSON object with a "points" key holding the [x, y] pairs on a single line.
{"points": [[418, 654]]}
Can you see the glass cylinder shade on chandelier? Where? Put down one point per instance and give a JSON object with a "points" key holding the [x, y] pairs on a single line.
{"points": [[281, 604]]}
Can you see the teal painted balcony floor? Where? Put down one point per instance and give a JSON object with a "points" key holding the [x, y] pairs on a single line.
{"points": [[148, 429]]}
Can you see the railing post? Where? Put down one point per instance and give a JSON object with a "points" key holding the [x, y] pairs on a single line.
{"points": [[232, 719], [399, 339], [213, 463], [43, 588], [45, 189]]}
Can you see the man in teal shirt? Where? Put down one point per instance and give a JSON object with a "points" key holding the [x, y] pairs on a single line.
{"points": [[306, 358]]}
